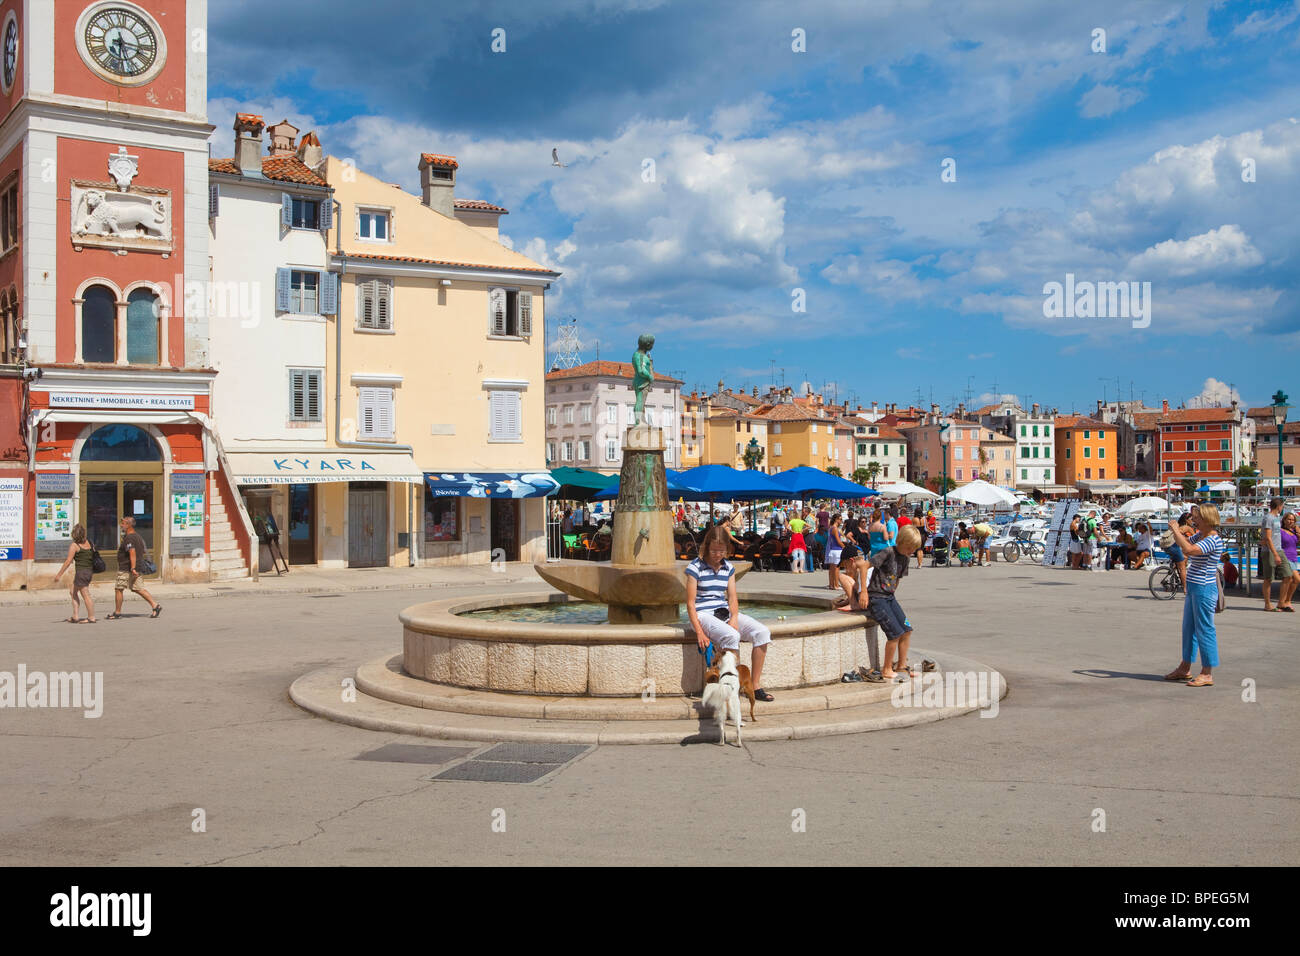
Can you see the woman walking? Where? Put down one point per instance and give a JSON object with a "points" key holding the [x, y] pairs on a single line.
{"points": [[1202, 551], [81, 554]]}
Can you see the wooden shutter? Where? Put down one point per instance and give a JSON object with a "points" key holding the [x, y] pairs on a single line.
{"points": [[312, 397], [326, 214], [514, 415], [496, 311], [329, 293], [286, 210], [214, 200], [297, 396], [366, 298], [282, 279], [383, 304], [497, 415], [525, 314]]}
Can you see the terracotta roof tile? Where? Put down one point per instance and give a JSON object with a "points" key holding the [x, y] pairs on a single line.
{"points": [[616, 369], [283, 169], [1183, 415], [1079, 421], [375, 257], [1146, 421], [786, 412], [480, 205], [439, 159]]}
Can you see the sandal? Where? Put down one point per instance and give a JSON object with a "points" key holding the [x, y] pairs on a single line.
{"points": [[1200, 680], [72, 620], [1174, 675], [157, 609], [1289, 609], [112, 617], [873, 677], [763, 695], [927, 666], [851, 677]]}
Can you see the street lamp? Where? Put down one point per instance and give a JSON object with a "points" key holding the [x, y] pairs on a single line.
{"points": [[945, 436], [750, 461], [1279, 419]]}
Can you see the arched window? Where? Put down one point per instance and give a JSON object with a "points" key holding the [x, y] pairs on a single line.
{"points": [[120, 443], [98, 325], [142, 314]]}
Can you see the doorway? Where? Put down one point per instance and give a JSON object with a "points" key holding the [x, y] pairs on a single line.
{"points": [[504, 538], [302, 524], [367, 524], [107, 499]]}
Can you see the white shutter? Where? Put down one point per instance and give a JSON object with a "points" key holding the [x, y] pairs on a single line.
{"points": [[214, 200], [282, 284], [525, 314], [383, 304], [286, 210], [297, 400], [312, 402], [366, 412], [496, 312], [366, 300], [515, 419], [384, 419], [496, 415]]}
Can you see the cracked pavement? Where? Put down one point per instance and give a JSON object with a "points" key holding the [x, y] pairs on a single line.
{"points": [[197, 715]]}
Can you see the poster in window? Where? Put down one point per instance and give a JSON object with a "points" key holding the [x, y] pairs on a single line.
{"points": [[11, 519]]}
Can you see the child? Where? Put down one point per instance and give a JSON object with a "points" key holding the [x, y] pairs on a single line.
{"points": [[887, 567], [964, 553], [798, 548], [1230, 572]]}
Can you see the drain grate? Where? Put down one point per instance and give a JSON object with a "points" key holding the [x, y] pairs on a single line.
{"points": [[415, 753], [514, 763]]}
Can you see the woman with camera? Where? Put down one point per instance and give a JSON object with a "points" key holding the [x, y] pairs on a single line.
{"points": [[1202, 552], [714, 607]]}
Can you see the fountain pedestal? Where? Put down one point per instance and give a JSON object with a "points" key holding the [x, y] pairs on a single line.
{"points": [[642, 583]]}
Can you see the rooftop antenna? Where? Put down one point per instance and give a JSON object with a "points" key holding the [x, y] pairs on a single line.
{"points": [[1103, 389]]}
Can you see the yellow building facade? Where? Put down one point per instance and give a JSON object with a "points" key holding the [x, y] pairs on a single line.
{"points": [[439, 349]]}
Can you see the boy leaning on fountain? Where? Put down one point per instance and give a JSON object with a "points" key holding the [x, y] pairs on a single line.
{"points": [[888, 566]]}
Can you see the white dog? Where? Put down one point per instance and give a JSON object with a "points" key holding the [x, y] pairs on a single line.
{"points": [[723, 696]]}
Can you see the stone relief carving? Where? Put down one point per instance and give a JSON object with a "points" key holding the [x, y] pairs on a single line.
{"points": [[138, 217], [123, 167]]}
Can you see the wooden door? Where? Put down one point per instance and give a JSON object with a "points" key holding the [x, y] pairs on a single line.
{"points": [[505, 528], [367, 525]]}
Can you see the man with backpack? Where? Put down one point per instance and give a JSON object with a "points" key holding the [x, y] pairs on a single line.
{"points": [[132, 556]]}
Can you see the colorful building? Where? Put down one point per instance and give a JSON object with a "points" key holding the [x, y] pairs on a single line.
{"points": [[1086, 453], [103, 196], [878, 444], [1200, 443], [927, 450]]}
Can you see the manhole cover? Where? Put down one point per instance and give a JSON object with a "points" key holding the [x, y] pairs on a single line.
{"points": [[490, 771], [415, 753], [533, 753]]}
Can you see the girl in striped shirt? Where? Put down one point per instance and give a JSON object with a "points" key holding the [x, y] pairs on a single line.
{"points": [[1203, 550], [714, 607]]}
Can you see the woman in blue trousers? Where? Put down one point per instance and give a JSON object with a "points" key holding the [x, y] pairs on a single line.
{"points": [[1203, 550]]}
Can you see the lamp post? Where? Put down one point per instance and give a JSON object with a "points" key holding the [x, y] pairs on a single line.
{"points": [[1279, 419], [750, 460], [945, 436]]}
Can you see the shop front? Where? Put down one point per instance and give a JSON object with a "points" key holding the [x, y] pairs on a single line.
{"points": [[481, 517], [114, 446], [331, 507]]}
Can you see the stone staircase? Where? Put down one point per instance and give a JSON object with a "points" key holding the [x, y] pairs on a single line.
{"points": [[227, 563]]}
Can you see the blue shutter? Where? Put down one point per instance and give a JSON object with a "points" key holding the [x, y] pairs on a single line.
{"points": [[329, 293], [282, 290], [286, 210], [326, 214]]}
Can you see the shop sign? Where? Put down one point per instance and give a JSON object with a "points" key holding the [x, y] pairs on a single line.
{"points": [[123, 400], [11, 519]]}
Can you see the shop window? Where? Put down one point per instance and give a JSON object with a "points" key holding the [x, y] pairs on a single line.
{"points": [[441, 518], [98, 325], [120, 443]]}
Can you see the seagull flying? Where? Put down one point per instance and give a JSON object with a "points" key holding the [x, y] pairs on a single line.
{"points": [[555, 158]]}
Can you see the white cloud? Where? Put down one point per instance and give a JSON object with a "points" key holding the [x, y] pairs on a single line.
{"points": [[1259, 22], [1103, 100], [1214, 393], [1226, 249]]}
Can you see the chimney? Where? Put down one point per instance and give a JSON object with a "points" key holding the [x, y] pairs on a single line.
{"points": [[934, 409], [438, 182], [755, 391], [875, 411], [282, 137], [1036, 407], [1164, 405], [309, 152], [248, 143]]}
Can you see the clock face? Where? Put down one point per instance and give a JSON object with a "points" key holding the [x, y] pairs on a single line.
{"points": [[10, 52], [121, 42]]}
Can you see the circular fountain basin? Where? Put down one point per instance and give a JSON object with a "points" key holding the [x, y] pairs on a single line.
{"points": [[451, 642]]}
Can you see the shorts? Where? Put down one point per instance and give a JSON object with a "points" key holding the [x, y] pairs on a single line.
{"points": [[886, 611], [83, 578], [1075, 547], [797, 556], [1088, 547], [833, 556], [1269, 571], [1175, 554], [126, 581], [728, 638]]}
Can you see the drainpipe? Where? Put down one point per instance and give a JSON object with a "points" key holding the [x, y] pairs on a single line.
{"points": [[338, 387]]}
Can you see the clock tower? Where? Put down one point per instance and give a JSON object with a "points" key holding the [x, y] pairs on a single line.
{"points": [[103, 277]]}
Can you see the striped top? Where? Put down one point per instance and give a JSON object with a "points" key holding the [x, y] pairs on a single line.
{"points": [[710, 585], [1201, 567]]}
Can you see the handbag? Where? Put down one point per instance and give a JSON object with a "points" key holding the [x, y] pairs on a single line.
{"points": [[1166, 540], [97, 565], [1221, 602], [147, 567]]}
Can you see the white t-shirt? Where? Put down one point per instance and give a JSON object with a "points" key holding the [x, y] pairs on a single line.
{"points": [[1145, 541]]}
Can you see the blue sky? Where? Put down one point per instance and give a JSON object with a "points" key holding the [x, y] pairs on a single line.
{"points": [[776, 170]]}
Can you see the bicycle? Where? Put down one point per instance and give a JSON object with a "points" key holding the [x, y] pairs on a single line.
{"points": [[1012, 550], [1165, 582]]}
